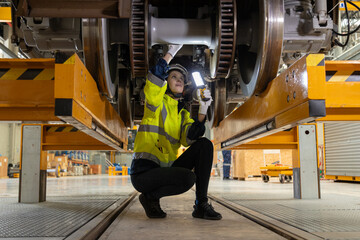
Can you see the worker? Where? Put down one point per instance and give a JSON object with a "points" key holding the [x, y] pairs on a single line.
{"points": [[226, 164], [166, 125]]}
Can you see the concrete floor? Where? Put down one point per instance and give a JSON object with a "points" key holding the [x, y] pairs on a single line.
{"points": [[335, 216]]}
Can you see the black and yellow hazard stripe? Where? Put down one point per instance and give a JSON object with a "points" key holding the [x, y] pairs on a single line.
{"points": [[26, 74], [343, 76], [315, 60], [62, 129]]}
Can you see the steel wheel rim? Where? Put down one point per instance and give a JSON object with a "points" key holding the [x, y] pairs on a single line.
{"points": [[258, 69], [95, 44]]}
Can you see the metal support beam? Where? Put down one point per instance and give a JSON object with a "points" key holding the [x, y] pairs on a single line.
{"points": [[77, 9], [32, 174], [181, 31], [311, 89], [289, 100], [349, 6], [305, 171], [79, 103], [341, 90], [27, 90], [7, 51], [5, 14], [27, 93], [67, 137], [112, 156], [36, 139], [302, 140], [280, 140]]}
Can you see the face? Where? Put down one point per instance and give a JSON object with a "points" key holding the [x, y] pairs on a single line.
{"points": [[176, 81]]}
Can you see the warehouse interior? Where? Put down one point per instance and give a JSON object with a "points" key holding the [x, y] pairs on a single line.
{"points": [[284, 120]]}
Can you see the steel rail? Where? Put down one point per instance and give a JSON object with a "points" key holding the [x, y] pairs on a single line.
{"points": [[97, 226], [272, 224]]}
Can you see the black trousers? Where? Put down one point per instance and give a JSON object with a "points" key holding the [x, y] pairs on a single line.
{"points": [[179, 178]]}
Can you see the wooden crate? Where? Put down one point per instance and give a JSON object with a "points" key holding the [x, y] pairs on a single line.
{"points": [[248, 162], [50, 157], [96, 168], [63, 161]]}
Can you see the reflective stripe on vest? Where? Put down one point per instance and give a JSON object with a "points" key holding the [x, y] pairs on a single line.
{"points": [[183, 127], [145, 155], [163, 114], [155, 80], [169, 164], [153, 158], [158, 130], [182, 120], [151, 107], [188, 141]]}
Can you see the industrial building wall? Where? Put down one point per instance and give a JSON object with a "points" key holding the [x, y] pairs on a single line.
{"points": [[10, 141], [6, 40], [124, 159], [342, 151], [4, 139]]}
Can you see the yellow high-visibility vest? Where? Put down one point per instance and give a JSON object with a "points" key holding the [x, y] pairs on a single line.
{"points": [[162, 130]]}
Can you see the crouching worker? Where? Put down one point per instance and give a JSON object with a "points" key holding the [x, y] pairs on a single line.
{"points": [[166, 125]]}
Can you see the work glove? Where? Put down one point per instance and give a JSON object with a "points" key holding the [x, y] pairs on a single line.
{"points": [[174, 48], [160, 69], [204, 104]]}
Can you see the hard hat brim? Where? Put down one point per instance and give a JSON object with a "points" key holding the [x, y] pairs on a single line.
{"points": [[179, 68]]}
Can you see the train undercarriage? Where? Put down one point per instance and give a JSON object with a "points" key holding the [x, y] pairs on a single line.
{"points": [[238, 46]]}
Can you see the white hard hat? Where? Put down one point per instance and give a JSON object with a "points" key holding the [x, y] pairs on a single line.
{"points": [[179, 68]]}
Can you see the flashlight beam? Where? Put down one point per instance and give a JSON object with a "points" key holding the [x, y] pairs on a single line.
{"points": [[198, 79]]}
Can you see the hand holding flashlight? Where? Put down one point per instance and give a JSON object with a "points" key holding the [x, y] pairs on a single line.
{"points": [[205, 99], [203, 94], [200, 85]]}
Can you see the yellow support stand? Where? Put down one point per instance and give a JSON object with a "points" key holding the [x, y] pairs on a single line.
{"points": [[311, 89], [38, 90], [79, 103]]}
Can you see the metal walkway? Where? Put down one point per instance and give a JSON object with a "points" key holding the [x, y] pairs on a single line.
{"points": [[104, 207], [57, 218], [335, 216]]}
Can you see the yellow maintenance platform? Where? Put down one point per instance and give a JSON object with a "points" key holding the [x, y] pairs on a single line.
{"points": [[273, 170]]}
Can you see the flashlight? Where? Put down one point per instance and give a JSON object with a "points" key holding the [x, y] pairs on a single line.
{"points": [[199, 82]]}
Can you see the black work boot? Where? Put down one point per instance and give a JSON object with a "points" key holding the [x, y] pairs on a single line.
{"points": [[152, 207], [206, 211]]}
